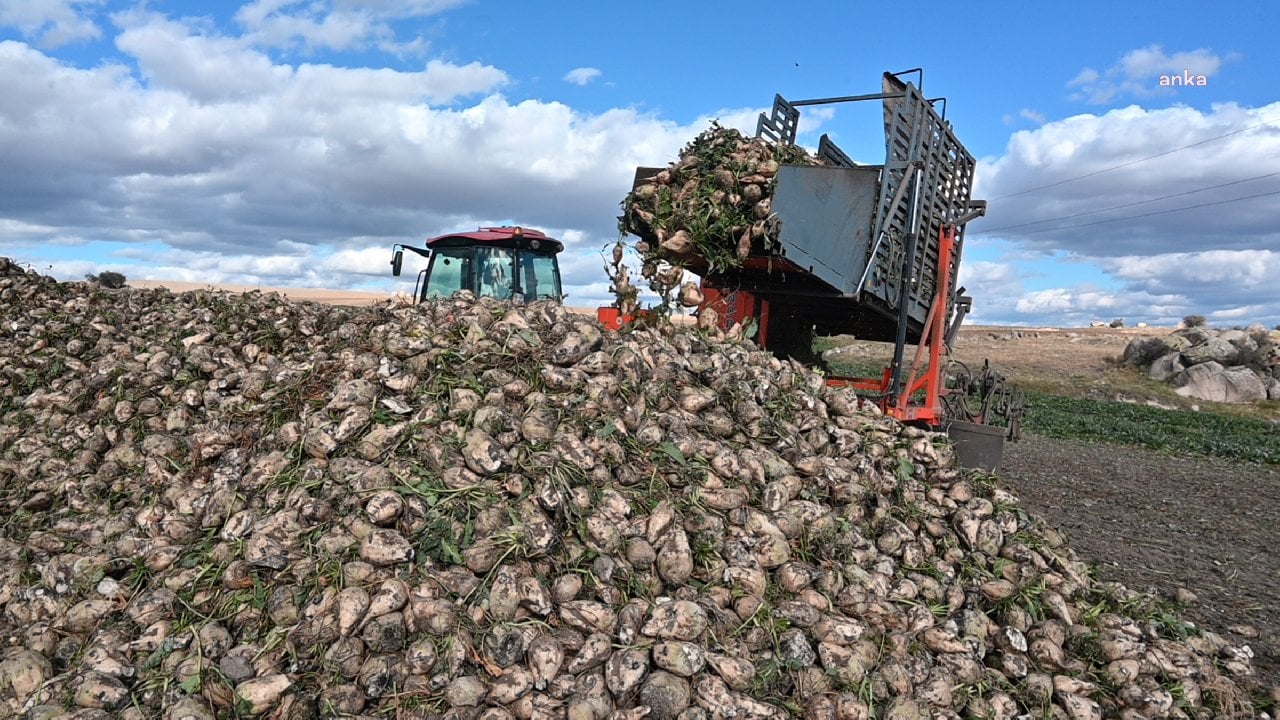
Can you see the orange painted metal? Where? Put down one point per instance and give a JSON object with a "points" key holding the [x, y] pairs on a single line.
{"points": [[928, 379], [613, 319], [610, 318]]}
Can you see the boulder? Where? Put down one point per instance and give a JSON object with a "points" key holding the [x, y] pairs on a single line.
{"points": [[1177, 342], [1239, 338], [1210, 381], [1256, 330], [1187, 377], [1245, 384], [1166, 366], [1142, 350], [1193, 335], [1273, 389], [1212, 350]]}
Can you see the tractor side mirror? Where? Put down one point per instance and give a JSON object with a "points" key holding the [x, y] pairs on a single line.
{"points": [[397, 260]]}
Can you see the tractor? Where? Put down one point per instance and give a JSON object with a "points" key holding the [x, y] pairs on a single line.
{"points": [[509, 263]]}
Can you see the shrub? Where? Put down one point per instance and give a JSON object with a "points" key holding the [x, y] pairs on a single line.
{"points": [[1193, 321], [1117, 323], [108, 279], [1257, 359]]}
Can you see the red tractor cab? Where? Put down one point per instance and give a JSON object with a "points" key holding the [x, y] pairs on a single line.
{"points": [[508, 263]]}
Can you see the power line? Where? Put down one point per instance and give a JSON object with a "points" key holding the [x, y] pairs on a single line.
{"points": [[1132, 204], [1135, 162], [1157, 212]]}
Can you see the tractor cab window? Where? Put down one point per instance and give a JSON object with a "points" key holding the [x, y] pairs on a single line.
{"points": [[493, 272], [450, 271], [538, 276]]}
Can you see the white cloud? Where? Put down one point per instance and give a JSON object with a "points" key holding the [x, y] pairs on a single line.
{"points": [[15, 230], [1078, 305], [1245, 313], [974, 272], [1138, 73], [247, 169], [1162, 266], [210, 68], [1087, 76], [582, 76], [443, 82], [1152, 61], [1211, 281], [372, 260], [51, 23], [1159, 289], [1233, 268], [1029, 114], [1056, 300], [338, 25], [1092, 148], [811, 119]]}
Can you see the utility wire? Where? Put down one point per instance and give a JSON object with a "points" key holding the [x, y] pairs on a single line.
{"points": [[1135, 162], [1157, 212], [1125, 205]]}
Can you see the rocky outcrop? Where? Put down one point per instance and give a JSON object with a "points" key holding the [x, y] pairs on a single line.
{"points": [[1214, 350], [1211, 381], [1228, 366]]}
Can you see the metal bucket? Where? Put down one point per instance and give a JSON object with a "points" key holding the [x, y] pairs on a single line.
{"points": [[979, 447]]}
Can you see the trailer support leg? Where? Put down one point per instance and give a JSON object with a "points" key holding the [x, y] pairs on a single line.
{"points": [[934, 342], [904, 301]]}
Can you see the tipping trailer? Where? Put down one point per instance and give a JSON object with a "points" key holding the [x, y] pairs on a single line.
{"points": [[873, 251]]}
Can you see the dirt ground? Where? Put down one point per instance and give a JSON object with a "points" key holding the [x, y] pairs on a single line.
{"points": [[1082, 353], [319, 295], [1041, 358], [1156, 522]]}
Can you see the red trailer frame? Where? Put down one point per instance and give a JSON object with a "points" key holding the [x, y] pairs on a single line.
{"points": [[931, 378]]}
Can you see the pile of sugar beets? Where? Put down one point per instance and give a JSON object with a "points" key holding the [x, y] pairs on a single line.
{"points": [[713, 203], [231, 505]]}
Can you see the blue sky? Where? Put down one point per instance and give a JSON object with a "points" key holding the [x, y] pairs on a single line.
{"points": [[292, 143]]}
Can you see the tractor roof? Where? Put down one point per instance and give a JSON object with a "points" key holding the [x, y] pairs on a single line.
{"points": [[503, 236]]}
